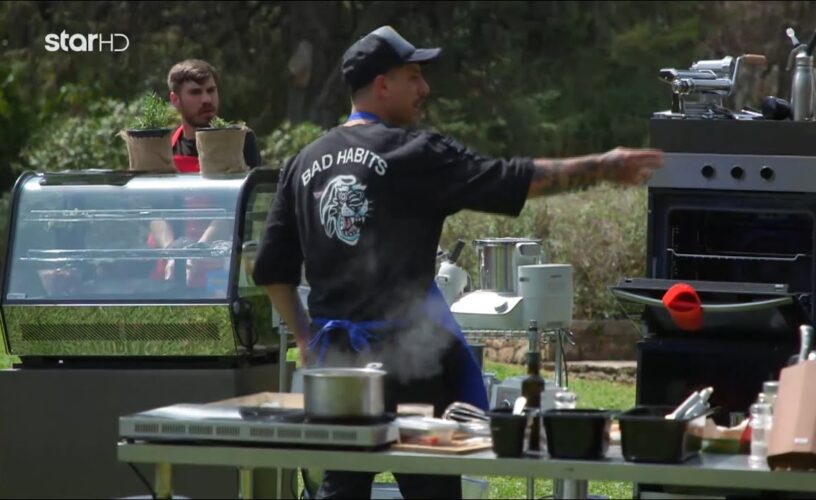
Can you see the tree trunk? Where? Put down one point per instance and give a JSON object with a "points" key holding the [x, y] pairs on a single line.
{"points": [[329, 28]]}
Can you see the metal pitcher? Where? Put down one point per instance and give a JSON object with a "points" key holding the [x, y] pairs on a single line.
{"points": [[499, 259]]}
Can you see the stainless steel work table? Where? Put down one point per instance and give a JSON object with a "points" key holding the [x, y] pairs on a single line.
{"points": [[709, 470]]}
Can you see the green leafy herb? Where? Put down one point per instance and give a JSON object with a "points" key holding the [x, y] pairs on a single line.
{"points": [[155, 113], [218, 122]]}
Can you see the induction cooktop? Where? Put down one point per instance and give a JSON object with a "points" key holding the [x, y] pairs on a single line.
{"points": [[253, 425]]}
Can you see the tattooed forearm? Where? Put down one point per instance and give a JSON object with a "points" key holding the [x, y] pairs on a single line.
{"points": [[556, 176]]}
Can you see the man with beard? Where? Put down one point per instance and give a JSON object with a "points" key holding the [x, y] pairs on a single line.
{"points": [[193, 85], [194, 93], [363, 208]]}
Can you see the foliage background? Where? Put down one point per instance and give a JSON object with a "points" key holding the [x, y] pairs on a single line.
{"points": [[516, 78]]}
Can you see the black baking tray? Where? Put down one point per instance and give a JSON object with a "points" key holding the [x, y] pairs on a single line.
{"points": [[647, 436]]}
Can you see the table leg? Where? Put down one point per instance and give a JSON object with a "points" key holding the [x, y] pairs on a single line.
{"points": [[576, 488], [164, 481], [246, 487], [558, 488], [279, 483], [530, 488], [559, 360]]}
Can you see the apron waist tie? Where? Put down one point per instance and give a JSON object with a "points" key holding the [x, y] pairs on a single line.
{"points": [[469, 381], [359, 334]]}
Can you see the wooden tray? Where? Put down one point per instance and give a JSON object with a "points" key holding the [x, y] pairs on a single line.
{"points": [[457, 448]]}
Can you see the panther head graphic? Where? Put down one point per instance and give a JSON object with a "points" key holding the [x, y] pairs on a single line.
{"points": [[344, 208]]}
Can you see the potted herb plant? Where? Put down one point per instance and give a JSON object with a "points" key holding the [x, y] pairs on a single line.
{"points": [[148, 138], [221, 147]]}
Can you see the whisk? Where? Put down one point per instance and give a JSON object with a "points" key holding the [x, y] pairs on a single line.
{"points": [[472, 420], [464, 412]]}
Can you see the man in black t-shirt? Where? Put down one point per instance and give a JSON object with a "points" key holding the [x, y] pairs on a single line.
{"points": [[363, 208]]}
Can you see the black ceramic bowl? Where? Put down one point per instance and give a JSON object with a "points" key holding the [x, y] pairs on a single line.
{"points": [[577, 434], [507, 432], [647, 436]]}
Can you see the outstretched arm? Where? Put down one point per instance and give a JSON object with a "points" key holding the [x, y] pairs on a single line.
{"points": [[620, 165]]}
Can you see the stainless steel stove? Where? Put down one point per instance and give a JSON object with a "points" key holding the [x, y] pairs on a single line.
{"points": [[254, 425]]}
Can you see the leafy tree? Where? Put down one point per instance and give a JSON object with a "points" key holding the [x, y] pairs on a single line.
{"points": [[287, 140], [18, 119], [84, 141]]}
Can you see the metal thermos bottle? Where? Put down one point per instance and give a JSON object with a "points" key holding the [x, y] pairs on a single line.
{"points": [[802, 89]]}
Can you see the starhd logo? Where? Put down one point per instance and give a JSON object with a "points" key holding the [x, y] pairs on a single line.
{"points": [[92, 42]]}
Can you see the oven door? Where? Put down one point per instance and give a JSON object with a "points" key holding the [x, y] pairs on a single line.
{"points": [[729, 310], [735, 237]]}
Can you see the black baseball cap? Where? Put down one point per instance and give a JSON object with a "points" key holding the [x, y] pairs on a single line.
{"points": [[378, 52]]}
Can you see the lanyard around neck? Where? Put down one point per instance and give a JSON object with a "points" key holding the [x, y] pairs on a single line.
{"points": [[363, 115]]}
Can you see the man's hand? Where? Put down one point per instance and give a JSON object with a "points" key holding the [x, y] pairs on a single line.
{"points": [[301, 340], [169, 268], [630, 166], [621, 165]]}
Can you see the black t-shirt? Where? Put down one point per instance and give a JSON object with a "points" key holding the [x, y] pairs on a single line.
{"points": [[252, 157], [367, 204]]}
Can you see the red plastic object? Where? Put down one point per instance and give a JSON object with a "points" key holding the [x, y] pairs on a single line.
{"points": [[684, 306], [745, 438]]}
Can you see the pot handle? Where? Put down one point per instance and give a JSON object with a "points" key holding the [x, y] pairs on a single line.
{"points": [[373, 366], [522, 249]]}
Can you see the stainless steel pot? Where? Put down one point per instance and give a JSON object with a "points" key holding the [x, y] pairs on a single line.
{"points": [[499, 259], [341, 393]]}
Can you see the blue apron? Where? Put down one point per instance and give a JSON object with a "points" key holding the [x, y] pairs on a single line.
{"points": [[468, 376]]}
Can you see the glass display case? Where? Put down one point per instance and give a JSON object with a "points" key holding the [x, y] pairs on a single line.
{"points": [[111, 263]]}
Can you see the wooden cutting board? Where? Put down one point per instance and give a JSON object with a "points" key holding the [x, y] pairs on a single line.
{"points": [[457, 448], [270, 399]]}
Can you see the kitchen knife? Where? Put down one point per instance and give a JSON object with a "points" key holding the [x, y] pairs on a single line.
{"points": [[684, 406], [806, 337]]}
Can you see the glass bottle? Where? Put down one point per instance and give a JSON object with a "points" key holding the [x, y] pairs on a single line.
{"points": [[770, 389], [761, 422], [533, 385]]}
